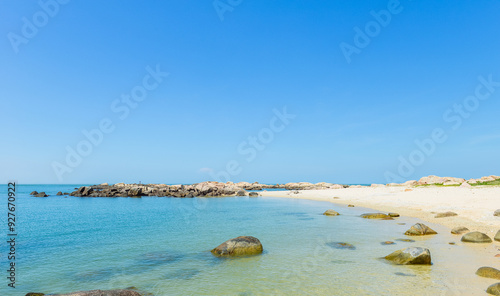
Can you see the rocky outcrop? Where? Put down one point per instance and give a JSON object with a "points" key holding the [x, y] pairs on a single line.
{"points": [[240, 246], [459, 230], [420, 229], [489, 272], [483, 179], [205, 189], [410, 256], [433, 180], [331, 213], [476, 237], [34, 193]]}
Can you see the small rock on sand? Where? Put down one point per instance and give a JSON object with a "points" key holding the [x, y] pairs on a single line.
{"points": [[489, 272], [476, 237], [460, 230], [393, 215], [420, 229], [494, 289], [497, 236], [497, 213], [376, 216], [445, 214]]}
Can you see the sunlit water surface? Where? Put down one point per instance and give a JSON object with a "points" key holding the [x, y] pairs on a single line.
{"points": [[162, 245]]}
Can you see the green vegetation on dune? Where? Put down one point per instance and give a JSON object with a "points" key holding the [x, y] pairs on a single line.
{"points": [[488, 183]]}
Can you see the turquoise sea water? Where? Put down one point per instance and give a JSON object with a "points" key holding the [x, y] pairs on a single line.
{"points": [[161, 245]]}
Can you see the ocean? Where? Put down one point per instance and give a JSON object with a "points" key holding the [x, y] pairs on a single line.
{"points": [[162, 246]]}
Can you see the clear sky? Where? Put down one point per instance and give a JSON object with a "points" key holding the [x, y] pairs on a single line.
{"points": [[361, 81]]}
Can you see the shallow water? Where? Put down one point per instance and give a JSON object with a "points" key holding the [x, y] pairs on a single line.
{"points": [[162, 245]]}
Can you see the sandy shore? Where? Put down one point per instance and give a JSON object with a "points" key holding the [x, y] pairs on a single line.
{"points": [[474, 206]]}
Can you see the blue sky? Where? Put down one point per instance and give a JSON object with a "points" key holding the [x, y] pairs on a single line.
{"points": [[353, 122]]}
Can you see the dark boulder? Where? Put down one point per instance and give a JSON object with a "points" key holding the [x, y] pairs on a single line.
{"points": [[59, 193], [240, 246], [34, 193], [41, 194]]}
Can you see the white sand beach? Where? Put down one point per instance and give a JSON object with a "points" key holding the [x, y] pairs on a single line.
{"points": [[474, 206]]}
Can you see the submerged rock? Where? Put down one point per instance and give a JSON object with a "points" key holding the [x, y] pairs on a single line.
{"points": [[103, 293], [240, 246], [34, 294], [376, 216], [387, 243], [494, 289], [337, 245], [331, 213], [460, 230], [410, 256], [445, 214], [406, 240], [476, 237], [489, 272], [420, 229]]}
